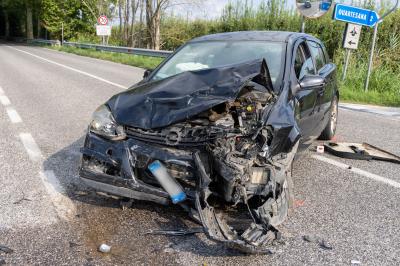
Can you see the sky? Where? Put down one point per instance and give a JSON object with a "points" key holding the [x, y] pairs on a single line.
{"points": [[210, 9], [206, 9]]}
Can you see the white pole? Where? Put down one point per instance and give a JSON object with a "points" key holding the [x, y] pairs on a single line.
{"points": [[348, 52], [371, 56]]}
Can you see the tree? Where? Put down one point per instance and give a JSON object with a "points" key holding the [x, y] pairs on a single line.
{"points": [[29, 19], [154, 8], [134, 8], [4, 7]]}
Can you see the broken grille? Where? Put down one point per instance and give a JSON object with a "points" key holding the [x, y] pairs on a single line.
{"points": [[177, 135]]}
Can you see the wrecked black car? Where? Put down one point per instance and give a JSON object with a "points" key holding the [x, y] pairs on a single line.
{"points": [[215, 128]]}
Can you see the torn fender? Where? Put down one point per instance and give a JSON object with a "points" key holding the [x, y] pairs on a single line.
{"points": [[251, 241]]}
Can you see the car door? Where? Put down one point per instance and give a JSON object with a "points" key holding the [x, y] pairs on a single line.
{"points": [[306, 109], [327, 71]]}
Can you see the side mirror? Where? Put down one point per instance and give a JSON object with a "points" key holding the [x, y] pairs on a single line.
{"points": [[311, 82], [147, 73]]}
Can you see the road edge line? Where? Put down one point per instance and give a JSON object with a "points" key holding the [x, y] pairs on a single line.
{"points": [[358, 171]]}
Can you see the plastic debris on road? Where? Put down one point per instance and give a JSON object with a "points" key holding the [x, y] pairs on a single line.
{"points": [[360, 151], [320, 149], [6, 249], [104, 248]]}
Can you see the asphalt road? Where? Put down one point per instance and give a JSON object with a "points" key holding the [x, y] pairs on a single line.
{"points": [[312, 12], [48, 217]]}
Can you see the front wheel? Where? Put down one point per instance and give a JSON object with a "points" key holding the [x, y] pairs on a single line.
{"points": [[330, 129]]}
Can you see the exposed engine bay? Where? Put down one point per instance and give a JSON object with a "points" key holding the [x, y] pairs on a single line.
{"points": [[232, 160]]}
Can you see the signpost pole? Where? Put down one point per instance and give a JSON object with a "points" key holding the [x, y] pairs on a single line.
{"points": [[303, 24], [348, 52], [371, 56], [62, 33]]}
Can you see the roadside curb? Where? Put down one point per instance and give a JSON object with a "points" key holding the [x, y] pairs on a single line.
{"points": [[379, 110]]}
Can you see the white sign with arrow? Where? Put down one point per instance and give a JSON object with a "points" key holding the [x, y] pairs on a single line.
{"points": [[352, 36]]}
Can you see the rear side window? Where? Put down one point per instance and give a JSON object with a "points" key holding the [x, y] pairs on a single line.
{"points": [[318, 54], [303, 64]]}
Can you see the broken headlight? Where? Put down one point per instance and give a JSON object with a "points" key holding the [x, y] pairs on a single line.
{"points": [[103, 124]]}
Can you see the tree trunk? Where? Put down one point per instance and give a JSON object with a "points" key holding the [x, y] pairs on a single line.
{"points": [[7, 26], [157, 38], [120, 18], [149, 22], [140, 34], [126, 23], [134, 6], [29, 23], [153, 15], [39, 29]]}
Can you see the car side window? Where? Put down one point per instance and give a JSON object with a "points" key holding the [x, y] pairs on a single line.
{"points": [[303, 64], [318, 54]]}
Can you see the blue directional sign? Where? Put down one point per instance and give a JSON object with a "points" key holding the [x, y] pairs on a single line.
{"points": [[355, 15], [325, 6]]}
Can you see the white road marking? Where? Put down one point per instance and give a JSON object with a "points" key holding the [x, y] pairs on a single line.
{"points": [[4, 100], [358, 171], [63, 204], [13, 115], [31, 147], [72, 69]]}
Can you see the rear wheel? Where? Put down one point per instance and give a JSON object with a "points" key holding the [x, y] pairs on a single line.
{"points": [[330, 129]]}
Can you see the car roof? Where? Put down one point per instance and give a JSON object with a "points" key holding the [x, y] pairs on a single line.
{"points": [[274, 36]]}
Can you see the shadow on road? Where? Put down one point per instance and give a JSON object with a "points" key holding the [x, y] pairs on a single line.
{"points": [[101, 219]]}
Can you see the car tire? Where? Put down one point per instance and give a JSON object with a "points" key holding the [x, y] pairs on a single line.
{"points": [[330, 129]]}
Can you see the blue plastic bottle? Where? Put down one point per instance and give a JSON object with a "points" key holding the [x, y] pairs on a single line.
{"points": [[167, 182]]}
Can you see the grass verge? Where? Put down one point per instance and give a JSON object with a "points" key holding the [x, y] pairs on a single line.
{"points": [[146, 62], [355, 95], [384, 88]]}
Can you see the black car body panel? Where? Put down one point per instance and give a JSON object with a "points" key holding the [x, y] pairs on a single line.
{"points": [[225, 134], [161, 103]]}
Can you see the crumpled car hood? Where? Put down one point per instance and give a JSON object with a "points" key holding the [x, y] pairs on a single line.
{"points": [[161, 103]]}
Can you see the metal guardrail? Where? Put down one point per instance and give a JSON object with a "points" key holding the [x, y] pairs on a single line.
{"points": [[14, 39], [48, 42], [114, 49], [119, 49]]}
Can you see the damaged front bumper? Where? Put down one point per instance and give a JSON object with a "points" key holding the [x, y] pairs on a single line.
{"points": [[113, 167]]}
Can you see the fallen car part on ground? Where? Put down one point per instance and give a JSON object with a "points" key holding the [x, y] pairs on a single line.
{"points": [[228, 139], [178, 232], [359, 151], [6, 249]]}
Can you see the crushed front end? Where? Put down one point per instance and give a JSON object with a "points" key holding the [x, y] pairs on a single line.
{"points": [[232, 158]]}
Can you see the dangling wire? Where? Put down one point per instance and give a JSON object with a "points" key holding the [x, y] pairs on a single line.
{"points": [[247, 203]]}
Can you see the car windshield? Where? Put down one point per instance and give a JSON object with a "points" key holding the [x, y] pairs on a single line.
{"points": [[204, 55]]}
